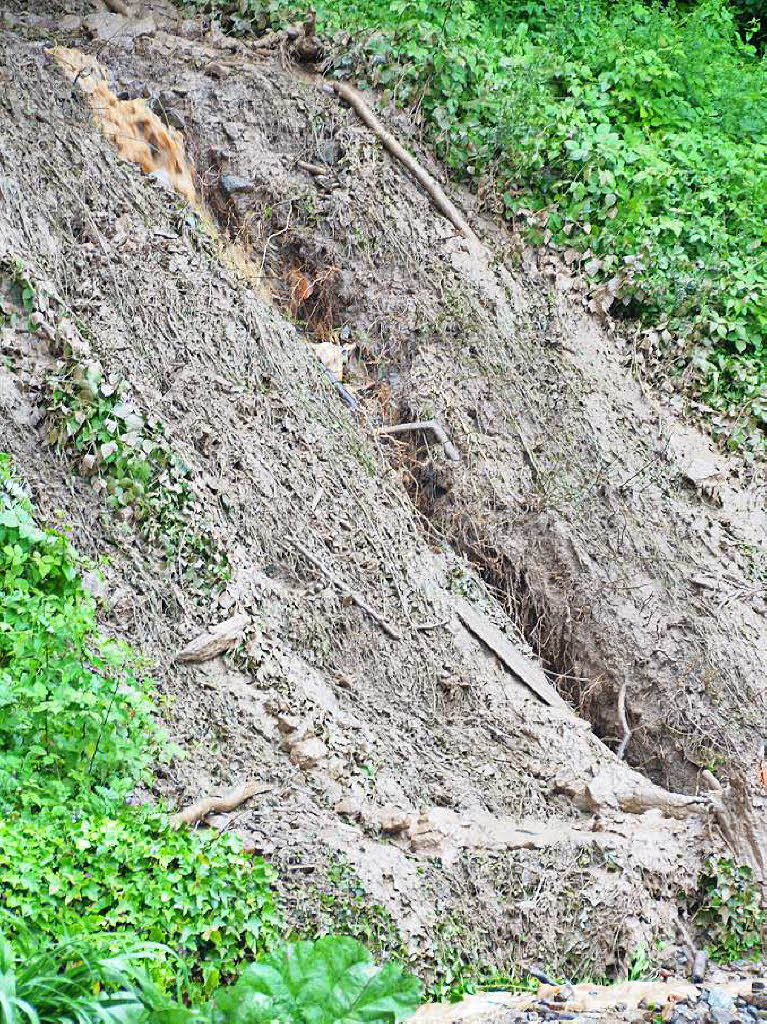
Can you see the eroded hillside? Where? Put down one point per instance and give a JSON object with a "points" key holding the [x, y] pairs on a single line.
{"points": [[399, 755]]}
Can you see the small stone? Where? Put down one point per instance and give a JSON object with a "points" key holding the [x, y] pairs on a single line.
{"points": [[308, 754], [721, 1006], [393, 820], [217, 70], [231, 185]]}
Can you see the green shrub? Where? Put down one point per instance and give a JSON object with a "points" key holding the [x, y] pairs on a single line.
{"points": [[129, 874], [730, 910], [76, 734]]}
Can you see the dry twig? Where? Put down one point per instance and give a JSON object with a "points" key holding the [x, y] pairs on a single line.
{"points": [[422, 176], [357, 598]]}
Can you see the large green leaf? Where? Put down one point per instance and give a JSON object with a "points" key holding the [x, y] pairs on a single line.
{"points": [[331, 981]]}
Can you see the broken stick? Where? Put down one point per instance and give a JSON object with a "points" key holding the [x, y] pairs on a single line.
{"points": [[450, 449], [421, 175], [357, 598], [624, 722], [226, 802], [522, 666]]}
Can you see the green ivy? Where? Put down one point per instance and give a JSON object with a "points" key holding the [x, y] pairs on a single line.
{"points": [[730, 908], [128, 873]]}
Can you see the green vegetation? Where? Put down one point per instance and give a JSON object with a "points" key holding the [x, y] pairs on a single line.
{"points": [[632, 133], [123, 451], [76, 735], [86, 875], [72, 982], [730, 909], [332, 979], [129, 457]]}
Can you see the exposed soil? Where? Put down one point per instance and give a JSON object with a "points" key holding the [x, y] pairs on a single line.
{"points": [[586, 522]]}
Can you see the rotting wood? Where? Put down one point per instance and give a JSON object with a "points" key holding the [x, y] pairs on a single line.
{"points": [[422, 176], [226, 802], [313, 169], [439, 432], [357, 598], [217, 640], [519, 664]]}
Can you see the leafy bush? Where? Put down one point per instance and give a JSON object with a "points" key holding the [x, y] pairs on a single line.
{"points": [[331, 980], [730, 909], [73, 714], [128, 873], [631, 133], [76, 734]]}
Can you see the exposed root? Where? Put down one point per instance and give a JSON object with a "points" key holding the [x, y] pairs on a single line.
{"points": [[227, 802], [450, 449]]}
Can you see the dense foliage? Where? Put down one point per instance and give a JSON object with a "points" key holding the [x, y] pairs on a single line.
{"points": [[332, 981], [634, 133], [76, 734]]}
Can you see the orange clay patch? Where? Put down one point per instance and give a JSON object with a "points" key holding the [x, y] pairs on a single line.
{"points": [[133, 129]]}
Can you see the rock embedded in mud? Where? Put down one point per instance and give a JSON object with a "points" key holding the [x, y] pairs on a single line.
{"points": [[232, 186], [308, 754]]}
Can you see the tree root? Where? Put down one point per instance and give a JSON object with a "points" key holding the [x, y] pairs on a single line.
{"points": [[439, 433], [226, 802]]}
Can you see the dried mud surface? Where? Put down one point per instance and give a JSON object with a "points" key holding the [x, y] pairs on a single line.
{"points": [[583, 519]]}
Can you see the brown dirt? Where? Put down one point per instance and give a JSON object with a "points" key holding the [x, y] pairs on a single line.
{"points": [[577, 520]]}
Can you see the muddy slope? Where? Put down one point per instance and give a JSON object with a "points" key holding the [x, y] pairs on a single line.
{"points": [[465, 806]]}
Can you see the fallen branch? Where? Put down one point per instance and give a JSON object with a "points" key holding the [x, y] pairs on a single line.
{"points": [[529, 671], [624, 723], [439, 432], [422, 176], [227, 802], [358, 600]]}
